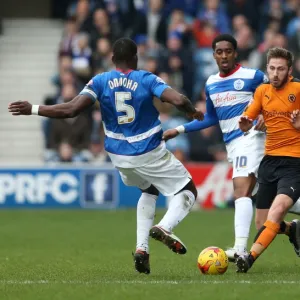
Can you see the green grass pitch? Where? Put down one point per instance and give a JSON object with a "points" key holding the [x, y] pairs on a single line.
{"points": [[87, 255]]}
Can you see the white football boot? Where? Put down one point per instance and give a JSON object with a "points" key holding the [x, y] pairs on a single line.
{"points": [[233, 253]]}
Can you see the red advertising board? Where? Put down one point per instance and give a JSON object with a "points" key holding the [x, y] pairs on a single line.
{"points": [[213, 182]]}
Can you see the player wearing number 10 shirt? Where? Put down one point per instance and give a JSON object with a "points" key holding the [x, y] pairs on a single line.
{"points": [[133, 140], [228, 93]]}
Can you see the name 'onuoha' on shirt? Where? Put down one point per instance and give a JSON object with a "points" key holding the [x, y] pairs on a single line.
{"points": [[133, 133]]}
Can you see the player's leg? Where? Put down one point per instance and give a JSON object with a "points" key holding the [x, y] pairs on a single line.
{"points": [[261, 215], [264, 198], [267, 190], [267, 232], [145, 217], [289, 185], [170, 177], [284, 175], [179, 208], [243, 187], [245, 154], [288, 228]]}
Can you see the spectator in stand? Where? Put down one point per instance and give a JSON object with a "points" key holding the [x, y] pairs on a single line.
{"points": [[214, 13], [189, 7], [153, 23], [178, 65], [69, 36], [238, 22], [69, 139], [204, 66], [152, 65], [83, 16], [64, 64], [279, 40], [175, 68], [291, 6], [256, 57], [104, 28], [274, 12], [182, 25], [121, 14], [97, 136], [246, 43], [204, 33], [249, 9], [294, 24], [82, 57], [294, 46], [102, 56], [142, 49]]}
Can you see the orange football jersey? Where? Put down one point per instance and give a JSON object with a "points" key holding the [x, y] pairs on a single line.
{"points": [[276, 105]]}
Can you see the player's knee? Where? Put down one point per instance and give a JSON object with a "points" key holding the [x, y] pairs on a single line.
{"points": [[152, 190], [192, 188], [240, 192], [277, 212]]}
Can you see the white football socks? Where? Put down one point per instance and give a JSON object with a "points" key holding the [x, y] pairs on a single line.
{"points": [[242, 222], [179, 207], [295, 208], [145, 216]]}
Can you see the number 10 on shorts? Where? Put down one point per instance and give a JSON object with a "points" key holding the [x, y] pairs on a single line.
{"points": [[241, 162]]}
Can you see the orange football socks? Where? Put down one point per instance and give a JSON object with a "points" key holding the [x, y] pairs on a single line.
{"points": [[264, 238]]}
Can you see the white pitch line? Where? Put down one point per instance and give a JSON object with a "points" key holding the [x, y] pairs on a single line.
{"points": [[154, 282]]}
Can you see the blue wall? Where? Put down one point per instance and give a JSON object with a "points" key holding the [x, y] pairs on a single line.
{"points": [[64, 187]]}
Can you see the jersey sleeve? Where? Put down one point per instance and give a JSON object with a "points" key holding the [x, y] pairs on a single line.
{"points": [[254, 108], [93, 88], [210, 117], [155, 84], [258, 79], [210, 109]]}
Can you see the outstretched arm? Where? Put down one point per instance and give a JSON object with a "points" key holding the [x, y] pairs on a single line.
{"points": [[210, 119], [182, 103], [64, 110], [195, 125]]}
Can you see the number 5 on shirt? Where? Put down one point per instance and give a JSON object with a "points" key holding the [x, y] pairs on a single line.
{"points": [[120, 98]]}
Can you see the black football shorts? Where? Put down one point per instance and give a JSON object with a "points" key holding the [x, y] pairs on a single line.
{"points": [[277, 175]]}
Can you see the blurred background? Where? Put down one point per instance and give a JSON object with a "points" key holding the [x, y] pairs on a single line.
{"points": [[50, 49]]}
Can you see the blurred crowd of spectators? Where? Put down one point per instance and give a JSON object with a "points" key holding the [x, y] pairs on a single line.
{"points": [[174, 41]]}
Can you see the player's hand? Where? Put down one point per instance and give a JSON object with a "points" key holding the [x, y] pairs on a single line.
{"points": [[20, 108], [170, 134], [295, 119], [260, 125], [198, 115], [245, 123]]}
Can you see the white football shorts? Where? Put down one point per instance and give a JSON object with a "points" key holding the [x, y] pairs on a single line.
{"points": [[167, 174], [246, 152]]}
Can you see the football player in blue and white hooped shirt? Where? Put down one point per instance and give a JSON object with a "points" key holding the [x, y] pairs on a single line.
{"points": [[227, 95], [133, 140]]}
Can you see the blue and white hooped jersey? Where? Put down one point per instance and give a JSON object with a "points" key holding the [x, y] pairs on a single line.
{"points": [[133, 133], [227, 97]]}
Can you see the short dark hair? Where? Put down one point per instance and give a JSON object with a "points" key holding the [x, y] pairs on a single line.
{"points": [[224, 37], [124, 50], [278, 52]]}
